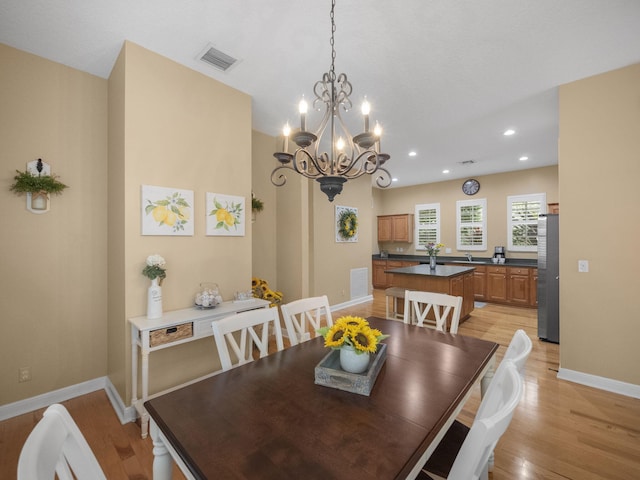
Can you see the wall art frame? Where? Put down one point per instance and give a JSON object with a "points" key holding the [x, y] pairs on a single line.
{"points": [[167, 211], [225, 215], [346, 224]]}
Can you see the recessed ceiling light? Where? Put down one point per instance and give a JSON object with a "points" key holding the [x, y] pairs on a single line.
{"points": [[412, 153], [509, 132], [522, 159], [445, 171], [394, 179]]}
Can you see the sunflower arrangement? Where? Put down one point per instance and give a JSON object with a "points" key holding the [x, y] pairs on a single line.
{"points": [[261, 289], [352, 331]]}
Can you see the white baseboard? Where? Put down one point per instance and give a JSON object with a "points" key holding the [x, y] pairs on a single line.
{"points": [[56, 396], [125, 414], [352, 302], [601, 383]]}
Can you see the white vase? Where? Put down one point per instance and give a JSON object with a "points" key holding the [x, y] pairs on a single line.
{"points": [[352, 362], [154, 300]]}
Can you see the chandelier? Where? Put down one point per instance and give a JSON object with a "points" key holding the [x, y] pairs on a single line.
{"points": [[345, 157]]}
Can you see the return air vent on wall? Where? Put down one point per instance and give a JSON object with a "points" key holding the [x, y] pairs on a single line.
{"points": [[218, 59]]}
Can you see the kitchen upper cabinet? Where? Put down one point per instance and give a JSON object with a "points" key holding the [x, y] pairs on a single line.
{"points": [[395, 228]]}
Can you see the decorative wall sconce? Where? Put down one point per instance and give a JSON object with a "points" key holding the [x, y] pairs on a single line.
{"points": [[38, 183]]}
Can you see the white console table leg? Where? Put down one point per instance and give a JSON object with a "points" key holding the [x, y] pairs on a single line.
{"points": [[162, 462], [144, 416]]}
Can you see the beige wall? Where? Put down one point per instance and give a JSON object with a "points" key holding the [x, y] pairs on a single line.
{"points": [[264, 227], [53, 290], [599, 158], [495, 188], [183, 130]]}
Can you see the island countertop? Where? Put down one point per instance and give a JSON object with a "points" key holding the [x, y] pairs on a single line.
{"points": [[444, 271]]}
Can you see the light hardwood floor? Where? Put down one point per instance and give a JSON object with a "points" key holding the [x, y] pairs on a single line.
{"points": [[560, 430]]}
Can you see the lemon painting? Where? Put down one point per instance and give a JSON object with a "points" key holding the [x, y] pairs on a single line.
{"points": [[167, 211], [225, 214]]}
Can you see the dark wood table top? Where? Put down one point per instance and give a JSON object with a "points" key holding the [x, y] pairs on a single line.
{"points": [[269, 420]]}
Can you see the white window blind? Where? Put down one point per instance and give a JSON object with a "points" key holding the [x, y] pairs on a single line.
{"points": [[471, 224], [522, 221], [427, 225]]}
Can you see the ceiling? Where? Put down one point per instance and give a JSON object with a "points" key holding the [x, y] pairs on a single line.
{"points": [[444, 78]]}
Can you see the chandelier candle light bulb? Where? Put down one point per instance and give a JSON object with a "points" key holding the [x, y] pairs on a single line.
{"points": [[366, 109], [303, 106], [286, 131]]}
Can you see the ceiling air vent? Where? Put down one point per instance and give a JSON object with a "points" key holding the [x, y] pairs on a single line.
{"points": [[218, 59]]}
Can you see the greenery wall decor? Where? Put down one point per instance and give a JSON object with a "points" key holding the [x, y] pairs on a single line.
{"points": [[27, 182]]}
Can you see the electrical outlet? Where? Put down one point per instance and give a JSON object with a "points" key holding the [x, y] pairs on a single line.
{"points": [[583, 266], [24, 374], [447, 250]]}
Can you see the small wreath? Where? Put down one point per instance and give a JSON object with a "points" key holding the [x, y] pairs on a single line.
{"points": [[348, 224]]}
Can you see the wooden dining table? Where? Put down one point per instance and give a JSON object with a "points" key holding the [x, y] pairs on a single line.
{"points": [[269, 420]]}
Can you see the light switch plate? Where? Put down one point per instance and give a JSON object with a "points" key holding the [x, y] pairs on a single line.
{"points": [[583, 266]]}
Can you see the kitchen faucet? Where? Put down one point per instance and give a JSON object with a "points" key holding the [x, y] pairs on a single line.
{"points": [[469, 257]]}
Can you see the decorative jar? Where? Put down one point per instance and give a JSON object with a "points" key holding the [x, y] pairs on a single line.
{"points": [[353, 362]]}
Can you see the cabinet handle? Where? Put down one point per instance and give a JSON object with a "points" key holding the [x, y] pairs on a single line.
{"points": [[172, 330]]}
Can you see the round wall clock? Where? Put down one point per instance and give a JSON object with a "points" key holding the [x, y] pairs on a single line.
{"points": [[471, 186]]}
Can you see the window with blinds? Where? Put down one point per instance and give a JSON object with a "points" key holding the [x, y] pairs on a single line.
{"points": [[522, 221], [471, 223], [427, 225]]}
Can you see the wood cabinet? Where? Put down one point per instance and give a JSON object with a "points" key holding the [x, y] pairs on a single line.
{"points": [[553, 208], [480, 283], [496, 284], [519, 288], [380, 278], [458, 284], [395, 228]]}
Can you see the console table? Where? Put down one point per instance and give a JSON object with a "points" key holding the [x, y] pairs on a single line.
{"points": [[173, 328]]}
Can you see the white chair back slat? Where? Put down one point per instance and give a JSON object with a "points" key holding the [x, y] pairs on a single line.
{"points": [[305, 316], [418, 304], [253, 328]]}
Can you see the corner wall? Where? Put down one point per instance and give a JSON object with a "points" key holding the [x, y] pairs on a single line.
{"points": [[53, 266], [599, 167], [184, 130]]}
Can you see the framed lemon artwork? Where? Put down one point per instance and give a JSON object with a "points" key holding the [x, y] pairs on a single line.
{"points": [[225, 215], [166, 211]]}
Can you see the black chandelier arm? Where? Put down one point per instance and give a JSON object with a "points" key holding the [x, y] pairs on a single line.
{"points": [[383, 177], [278, 178]]}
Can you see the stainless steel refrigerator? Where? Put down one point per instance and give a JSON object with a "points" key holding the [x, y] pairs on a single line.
{"points": [[548, 278]]}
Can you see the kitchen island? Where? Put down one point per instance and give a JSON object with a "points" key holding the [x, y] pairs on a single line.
{"points": [[449, 279]]}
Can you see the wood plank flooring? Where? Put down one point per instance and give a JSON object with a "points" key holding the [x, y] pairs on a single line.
{"points": [[560, 430]]}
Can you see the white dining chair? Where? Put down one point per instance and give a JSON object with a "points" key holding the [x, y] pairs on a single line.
{"points": [[244, 331], [517, 353], [418, 304], [56, 446], [306, 316], [470, 460]]}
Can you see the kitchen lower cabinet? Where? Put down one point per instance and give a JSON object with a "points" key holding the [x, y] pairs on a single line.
{"points": [[533, 287], [380, 278], [497, 284], [519, 286]]}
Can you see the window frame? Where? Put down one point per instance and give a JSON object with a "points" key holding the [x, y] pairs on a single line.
{"points": [[481, 202], [437, 226], [513, 199]]}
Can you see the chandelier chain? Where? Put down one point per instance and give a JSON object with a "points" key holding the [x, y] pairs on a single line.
{"points": [[332, 42]]}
